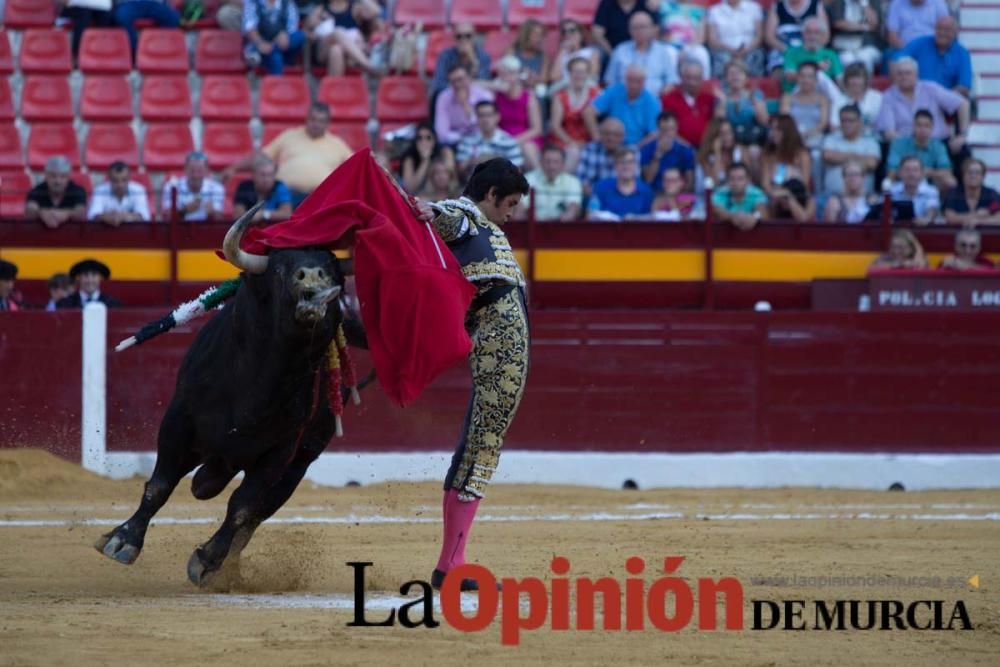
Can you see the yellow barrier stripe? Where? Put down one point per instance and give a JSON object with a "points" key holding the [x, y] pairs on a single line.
{"points": [[550, 264], [125, 264], [619, 265]]}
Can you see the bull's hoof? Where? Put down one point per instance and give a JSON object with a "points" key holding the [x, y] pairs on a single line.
{"points": [[200, 572], [114, 546]]}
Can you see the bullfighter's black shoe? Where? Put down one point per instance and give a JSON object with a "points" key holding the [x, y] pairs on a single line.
{"points": [[437, 580]]}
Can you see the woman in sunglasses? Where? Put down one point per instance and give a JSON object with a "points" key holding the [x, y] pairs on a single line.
{"points": [[572, 46], [417, 160]]}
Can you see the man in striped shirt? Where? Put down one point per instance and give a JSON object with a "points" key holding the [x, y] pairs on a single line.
{"points": [[487, 141]]}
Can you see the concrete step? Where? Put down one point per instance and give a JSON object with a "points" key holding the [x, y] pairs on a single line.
{"points": [[979, 15], [985, 61], [988, 85], [980, 38], [984, 134], [991, 156], [989, 109]]}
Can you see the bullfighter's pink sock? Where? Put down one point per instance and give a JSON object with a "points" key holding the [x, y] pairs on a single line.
{"points": [[458, 516]]}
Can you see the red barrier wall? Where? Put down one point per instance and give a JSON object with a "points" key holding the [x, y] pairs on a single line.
{"points": [[600, 380]]}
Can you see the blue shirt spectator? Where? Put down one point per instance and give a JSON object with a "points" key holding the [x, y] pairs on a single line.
{"points": [[658, 60], [909, 19], [632, 104], [607, 197], [941, 59], [666, 152]]}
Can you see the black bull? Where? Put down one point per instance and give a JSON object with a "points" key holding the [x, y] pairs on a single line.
{"points": [[251, 396]]}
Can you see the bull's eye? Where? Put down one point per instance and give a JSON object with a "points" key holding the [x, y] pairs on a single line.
{"points": [[322, 274], [301, 275]]}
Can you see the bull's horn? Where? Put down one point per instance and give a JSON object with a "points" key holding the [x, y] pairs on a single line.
{"points": [[231, 246]]}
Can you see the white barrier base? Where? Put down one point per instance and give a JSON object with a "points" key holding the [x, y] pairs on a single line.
{"points": [[607, 470]]}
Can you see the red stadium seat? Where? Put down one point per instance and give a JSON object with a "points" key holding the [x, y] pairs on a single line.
{"points": [[109, 143], [436, 43], [402, 98], [767, 85], [284, 98], [881, 83], [347, 97], [166, 145], [272, 130], [6, 102], [497, 42], [231, 185], [219, 52], [162, 51], [14, 187], [428, 12], [483, 15], [105, 51], [45, 51], [224, 143], [6, 56], [165, 98], [47, 99], [225, 98], [355, 135], [106, 98], [21, 14], [545, 12], [581, 11], [47, 140], [82, 179], [142, 178], [11, 154]]}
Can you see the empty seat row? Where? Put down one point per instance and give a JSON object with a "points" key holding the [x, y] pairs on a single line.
{"points": [[223, 98], [485, 15]]}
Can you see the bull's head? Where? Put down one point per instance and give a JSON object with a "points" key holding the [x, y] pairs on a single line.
{"points": [[311, 278]]}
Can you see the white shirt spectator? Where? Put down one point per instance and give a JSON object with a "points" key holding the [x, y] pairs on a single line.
{"points": [[925, 200], [553, 197], [211, 191], [736, 26], [659, 62], [104, 201], [864, 146]]}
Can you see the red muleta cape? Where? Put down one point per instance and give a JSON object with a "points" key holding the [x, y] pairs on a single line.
{"points": [[412, 292]]}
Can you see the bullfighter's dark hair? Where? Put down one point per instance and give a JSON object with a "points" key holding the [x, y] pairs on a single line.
{"points": [[499, 173]]}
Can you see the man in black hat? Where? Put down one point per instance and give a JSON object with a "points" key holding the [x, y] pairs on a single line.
{"points": [[88, 274], [8, 272]]}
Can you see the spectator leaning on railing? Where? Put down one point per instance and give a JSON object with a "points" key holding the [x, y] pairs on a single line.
{"points": [[199, 196], [56, 200], [623, 196], [913, 187], [968, 253], [119, 199], [739, 202], [972, 202], [905, 252], [853, 204], [263, 185], [8, 273], [556, 195]]}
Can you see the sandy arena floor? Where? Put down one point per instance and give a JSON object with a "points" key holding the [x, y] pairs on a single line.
{"points": [[61, 603]]}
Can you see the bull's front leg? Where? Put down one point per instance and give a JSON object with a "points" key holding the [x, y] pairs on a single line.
{"points": [[174, 459], [253, 502]]}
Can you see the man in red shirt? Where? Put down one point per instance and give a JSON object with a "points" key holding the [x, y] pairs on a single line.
{"points": [[692, 106]]}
